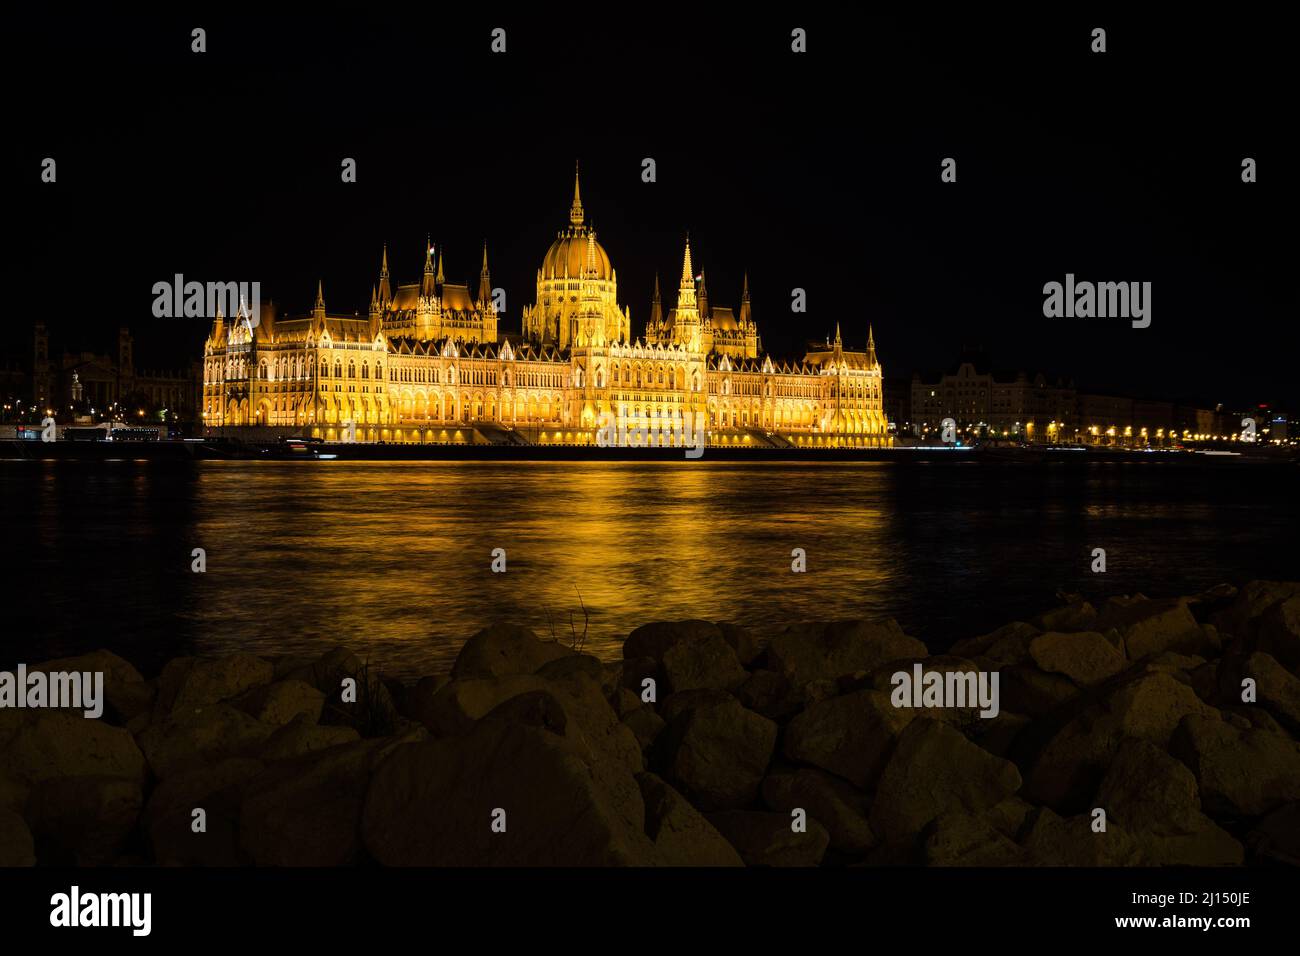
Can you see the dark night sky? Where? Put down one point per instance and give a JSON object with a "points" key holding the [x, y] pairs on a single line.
{"points": [[819, 171]]}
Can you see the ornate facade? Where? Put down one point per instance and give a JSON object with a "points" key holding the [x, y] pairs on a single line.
{"points": [[428, 364]]}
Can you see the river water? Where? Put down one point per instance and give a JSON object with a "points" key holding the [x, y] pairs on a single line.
{"points": [[395, 559]]}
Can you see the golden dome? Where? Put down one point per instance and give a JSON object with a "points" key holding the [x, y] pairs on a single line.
{"points": [[569, 252]]}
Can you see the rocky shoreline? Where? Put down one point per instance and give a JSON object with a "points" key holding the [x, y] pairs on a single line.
{"points": [[1142, 732]]}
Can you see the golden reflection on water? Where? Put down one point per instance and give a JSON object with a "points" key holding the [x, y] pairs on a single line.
{"points": [[394, 559]]}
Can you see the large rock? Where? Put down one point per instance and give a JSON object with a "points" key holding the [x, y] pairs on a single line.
{"points": [[645, 725], [301, 736], [708, 663], [714, 750], [456, 708], [190, 739], [13, 794], [1146, 789], [1025, 689], [1071, 765], [279, 703], [1008, 644], [999, 735], [217, 790], [126, 693], [692, 655], [813, 652], [886, 679], [654, 640], [840, 808], [1279, 633], [1180, 666], [418, 705], [1072, 841], [38, 745], [1276, 838], [1240, 772], [503, 650], [188, 683], [16, 846], [1085, 657], [1008, 817], [934, 769], [434, 803], [459, 704], [680, 833], [1243, 618], [307, 811], [87, 819], [1155, 799], [1078, 615], [1277, 688], [1149, 627], [575, 665], [851, 736], [768, 693], [585, 703], [747, 645], [769, 839], [959, 838]]}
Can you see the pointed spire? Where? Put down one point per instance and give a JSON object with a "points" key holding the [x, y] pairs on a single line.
{"points": [[656, 306], [703, 297], [385, 289], [686, 291], [745, 316], [838, 341], [484, 281], [575, 211], [440, 279], [427, 283], [318, 312], [376, 313], [871, 347]]}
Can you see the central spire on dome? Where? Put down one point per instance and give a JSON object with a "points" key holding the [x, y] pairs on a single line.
{"points": [[575, 212]]}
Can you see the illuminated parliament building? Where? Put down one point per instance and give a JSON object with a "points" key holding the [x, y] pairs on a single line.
{"points": [[429, 364]]}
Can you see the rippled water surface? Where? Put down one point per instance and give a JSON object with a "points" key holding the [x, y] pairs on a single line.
{"points": [[394, 559]]}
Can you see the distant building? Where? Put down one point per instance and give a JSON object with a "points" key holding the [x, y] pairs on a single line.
{"points": [[993, 404], [83, 381]]}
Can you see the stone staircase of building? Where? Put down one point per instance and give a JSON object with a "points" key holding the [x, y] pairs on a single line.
{"points": [[761, 439], [494, 434]]}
